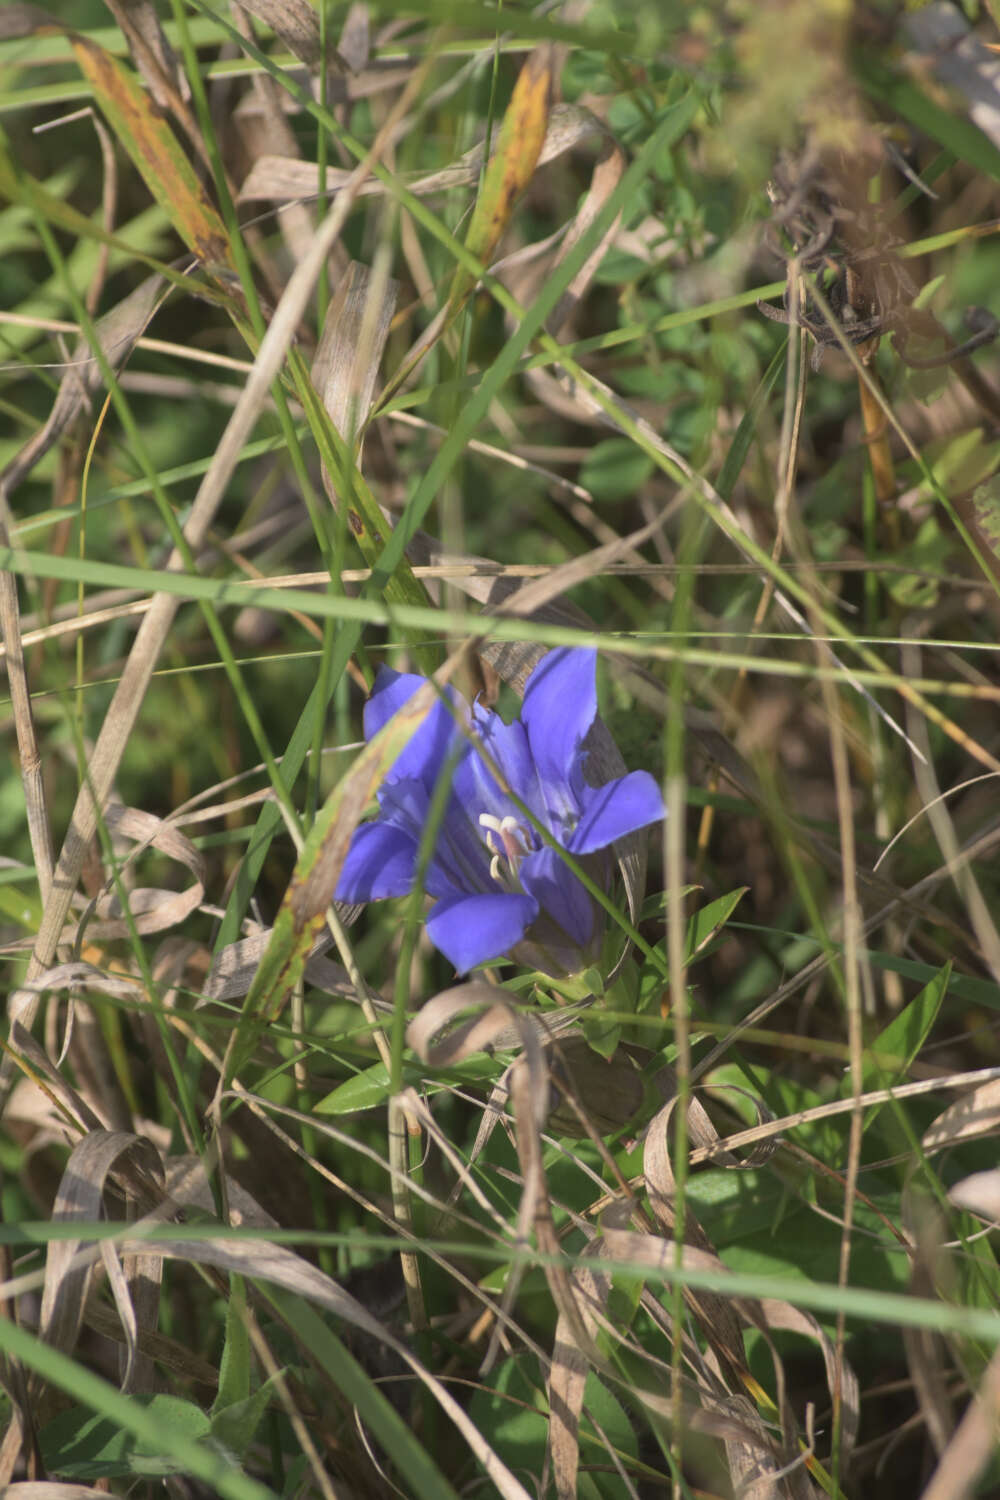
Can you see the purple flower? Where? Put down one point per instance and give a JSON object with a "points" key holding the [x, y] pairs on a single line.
{"points": [[498, 889]]}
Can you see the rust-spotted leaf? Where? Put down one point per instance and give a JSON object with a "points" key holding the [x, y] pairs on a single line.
{"points": [[154, 149]]}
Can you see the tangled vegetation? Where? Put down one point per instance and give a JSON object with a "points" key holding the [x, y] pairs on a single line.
{"points": [[498, 345]]}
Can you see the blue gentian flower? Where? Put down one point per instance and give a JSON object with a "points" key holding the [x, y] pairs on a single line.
{"points": [[498, 889]]}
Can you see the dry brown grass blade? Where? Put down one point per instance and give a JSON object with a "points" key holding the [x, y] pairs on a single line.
{"points": [[152, 54], [260, 1261], [75, 1113], [39, 830], [51, 1489], [294, 22], [973, 1445], [568, 1376], [606, 176], [350, 351]]}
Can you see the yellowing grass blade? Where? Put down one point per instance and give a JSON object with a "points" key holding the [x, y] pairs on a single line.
{"points": [[518, 147], [154, 149]]}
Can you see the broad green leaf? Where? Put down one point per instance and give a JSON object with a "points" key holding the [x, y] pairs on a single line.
{"points": [[80, 1445]]}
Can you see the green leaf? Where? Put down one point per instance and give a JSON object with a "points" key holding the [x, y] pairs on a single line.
{"points": [[410, 1457], [986, 505], [889, 1057], [364, 1091], [82, 1446], [234, 1369], [234, 1426], [615, 469], [704, 925]]}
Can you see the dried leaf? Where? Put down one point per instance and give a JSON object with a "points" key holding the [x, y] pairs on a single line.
{"points": [[978, 1194], [350, 350], [568, 1375], [496, 1022], [234, 967], [282, 178]]}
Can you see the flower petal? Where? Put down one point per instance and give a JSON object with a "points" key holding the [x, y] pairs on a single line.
{"points": [[426, 753], [615, 809], [476, 789], [559, 893], [379, 864], [468, 930], [560, 704]]}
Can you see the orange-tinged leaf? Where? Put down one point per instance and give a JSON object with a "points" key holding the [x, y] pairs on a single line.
{"points": [[154, 149], [518, 147]]}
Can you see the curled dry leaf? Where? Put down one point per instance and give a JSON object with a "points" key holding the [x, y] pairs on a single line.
{"points": [[136, 1169], [495, 1022], [74, 976], [714, 1313], [152, 910]]}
